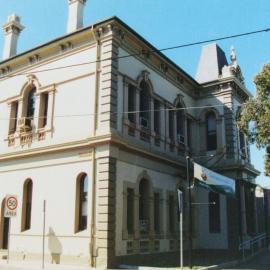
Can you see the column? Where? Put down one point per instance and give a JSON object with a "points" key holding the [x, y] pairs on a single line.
{"points": [[243, 209], [256, 227]]}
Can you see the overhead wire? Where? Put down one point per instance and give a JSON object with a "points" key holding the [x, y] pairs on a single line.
{"points": [[126, 112], [141, 53]]}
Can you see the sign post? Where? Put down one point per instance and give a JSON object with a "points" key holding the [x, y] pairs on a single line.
{"points": [[180, 202], [11, 205]]}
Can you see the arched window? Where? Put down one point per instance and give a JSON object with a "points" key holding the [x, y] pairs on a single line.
{"points": [[211, 131], [27, 204], [214, 212], [144, 105], [180, 125], [31, 104], [82, 199], [144, 206]]}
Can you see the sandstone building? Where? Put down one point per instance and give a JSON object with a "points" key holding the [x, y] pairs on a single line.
{"points": [[103, 138]]}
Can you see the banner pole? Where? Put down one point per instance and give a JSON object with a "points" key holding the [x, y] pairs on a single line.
{"points": [[190, 212], [180, 204], [181, 234]]}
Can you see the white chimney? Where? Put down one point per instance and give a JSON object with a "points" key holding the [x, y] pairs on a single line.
{"points": [[75, 15], [12, 30]]}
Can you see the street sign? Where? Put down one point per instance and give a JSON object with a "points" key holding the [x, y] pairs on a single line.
{"points": [[11, 205]]}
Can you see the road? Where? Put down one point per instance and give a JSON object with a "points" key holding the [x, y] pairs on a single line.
{"points": [[261, 262]]}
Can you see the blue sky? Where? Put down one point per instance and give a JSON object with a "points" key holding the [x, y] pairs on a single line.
{"points": [[163, 23]]}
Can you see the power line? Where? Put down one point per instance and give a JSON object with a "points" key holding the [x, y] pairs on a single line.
{"points": [[124, 112], [143, 52]]}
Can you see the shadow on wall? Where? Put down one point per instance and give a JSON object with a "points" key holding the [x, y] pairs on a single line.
{"points": [[54, 246]]}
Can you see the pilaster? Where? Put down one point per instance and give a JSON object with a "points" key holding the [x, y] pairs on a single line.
{"points": [[107, 118], [105, 208], [243, 210]]}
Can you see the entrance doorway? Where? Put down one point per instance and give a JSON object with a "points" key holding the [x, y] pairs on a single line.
{"points": [[5, 233], [4, 228]]}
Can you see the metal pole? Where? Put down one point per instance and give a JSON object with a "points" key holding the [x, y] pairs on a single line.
{"points": [[190, 212], [43, 236], [9, 228], [180, 204], [181, 233]]}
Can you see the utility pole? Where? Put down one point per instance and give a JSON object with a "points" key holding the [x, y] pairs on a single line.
{"points": [[190, 211]]}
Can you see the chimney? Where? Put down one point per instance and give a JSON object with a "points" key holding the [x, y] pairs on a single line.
{"points": [[75, 15], [12, 30]]}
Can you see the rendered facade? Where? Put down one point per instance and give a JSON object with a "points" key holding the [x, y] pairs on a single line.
{"points": [[104, 143]]}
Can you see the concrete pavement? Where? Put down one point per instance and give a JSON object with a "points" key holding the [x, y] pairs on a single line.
{"points": [[15, 265], [261, 262]]}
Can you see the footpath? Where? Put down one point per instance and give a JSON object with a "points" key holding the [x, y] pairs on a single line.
{"points": [[27, 265]]}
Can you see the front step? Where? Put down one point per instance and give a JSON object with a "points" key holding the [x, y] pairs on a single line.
{"points": [[3, 254]]}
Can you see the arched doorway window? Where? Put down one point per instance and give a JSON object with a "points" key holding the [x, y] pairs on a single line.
{"points": [[144, 206], [27, 204], [31, 104], [211, 131], [4, 228], [82, 199]]}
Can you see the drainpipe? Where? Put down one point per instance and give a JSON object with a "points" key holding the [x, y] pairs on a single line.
{"points": [[97, 71], [93, 217], [93, 211]]}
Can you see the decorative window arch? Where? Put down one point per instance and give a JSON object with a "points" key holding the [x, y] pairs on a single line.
{"points": [[31, 112], [211, 131], [81, 210], [27, 204], [146, 91]]}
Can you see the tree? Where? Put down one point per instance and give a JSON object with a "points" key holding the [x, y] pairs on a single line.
{"points": [[255, 116]]}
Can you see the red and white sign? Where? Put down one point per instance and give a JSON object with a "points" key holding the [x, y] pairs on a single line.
{"points": [[11, 205]]}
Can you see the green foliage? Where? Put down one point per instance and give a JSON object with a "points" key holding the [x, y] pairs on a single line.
{"points": [[255, 116]]}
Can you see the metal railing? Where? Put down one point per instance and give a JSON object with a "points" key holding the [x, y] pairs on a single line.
{"points": [[249, 244]]}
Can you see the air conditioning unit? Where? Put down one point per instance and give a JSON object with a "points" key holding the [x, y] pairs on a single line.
{"points": [[180, 139], [144, 122], [25, 124]]}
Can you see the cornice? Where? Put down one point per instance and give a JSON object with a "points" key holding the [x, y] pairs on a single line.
{"points": [[109, 139], [88, 142], [36, 58], [110, 28], [236, 86]]}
